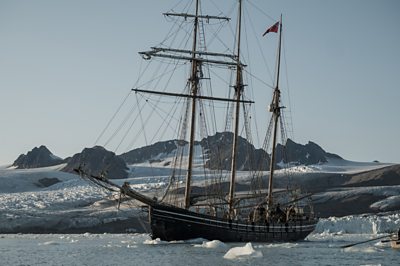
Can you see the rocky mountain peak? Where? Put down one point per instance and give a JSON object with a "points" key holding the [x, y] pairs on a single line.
{"points": [[310, 153], [37, 157], [97, 161], [150, 152], [218, 153]]}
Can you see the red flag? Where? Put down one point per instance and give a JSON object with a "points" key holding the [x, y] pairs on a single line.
{"points": [[273, 28]]}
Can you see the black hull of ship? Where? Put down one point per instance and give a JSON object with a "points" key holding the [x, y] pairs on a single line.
{"points": [[170, 223]]}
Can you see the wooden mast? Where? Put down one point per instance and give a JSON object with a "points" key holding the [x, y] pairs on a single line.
{"points": [[238, 94], [276, 112], [194, 81], [196, 60]]}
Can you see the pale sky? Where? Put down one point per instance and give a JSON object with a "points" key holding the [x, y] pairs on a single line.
{"points": [[65, 66]]}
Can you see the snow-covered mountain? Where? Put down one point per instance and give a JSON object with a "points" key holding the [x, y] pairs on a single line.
{"points": [[49, 199]]}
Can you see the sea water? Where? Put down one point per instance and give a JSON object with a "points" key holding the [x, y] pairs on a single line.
{"points": [[139, 249]]}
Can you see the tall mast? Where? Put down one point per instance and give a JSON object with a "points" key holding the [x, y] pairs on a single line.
{"points": [[238, 94], [194, 81], [196, 59], [276, 112]]}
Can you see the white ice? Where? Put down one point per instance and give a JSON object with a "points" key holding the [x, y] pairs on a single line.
{"points": [[73, 202], [240, 252]]}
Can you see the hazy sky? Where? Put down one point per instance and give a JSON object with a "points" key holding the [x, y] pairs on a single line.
{"points": [[66, 65]]}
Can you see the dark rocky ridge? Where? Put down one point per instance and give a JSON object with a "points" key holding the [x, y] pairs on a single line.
{"points": [[219, 153], [307, 154], [37, 157], [218, 150], [388, 176], [96, 161], [150, 152]]}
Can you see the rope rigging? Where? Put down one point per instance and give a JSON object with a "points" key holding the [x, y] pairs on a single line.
{"points": [[147, 107]]}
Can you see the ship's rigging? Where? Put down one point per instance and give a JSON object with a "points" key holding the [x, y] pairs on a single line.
{"points": [[204, 172]]}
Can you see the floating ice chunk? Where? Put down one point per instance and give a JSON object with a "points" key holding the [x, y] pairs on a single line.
{"points": [[280, 245], [240, 252], [362, 249], [156, 241], [211, 244], [49, 243]]}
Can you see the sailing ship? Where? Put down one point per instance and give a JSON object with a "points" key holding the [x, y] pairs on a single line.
{"points": [[262, 214]]}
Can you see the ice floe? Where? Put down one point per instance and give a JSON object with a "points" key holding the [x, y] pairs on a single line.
{"points": [[243, 252]]}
